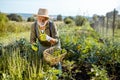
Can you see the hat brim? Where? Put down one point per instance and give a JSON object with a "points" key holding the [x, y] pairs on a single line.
{"points": [[46, 16]]}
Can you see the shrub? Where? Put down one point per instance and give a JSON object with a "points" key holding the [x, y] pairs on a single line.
{"points": [[59, 17], [15, 17], [30, 19], [68, 20], [71, 17], [80, 20]]}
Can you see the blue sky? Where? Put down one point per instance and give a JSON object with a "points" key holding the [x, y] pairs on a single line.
{"points": [[63, 7]]}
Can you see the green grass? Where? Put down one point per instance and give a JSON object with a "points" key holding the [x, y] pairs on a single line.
{"points": [[12, 37], [14, 31]]}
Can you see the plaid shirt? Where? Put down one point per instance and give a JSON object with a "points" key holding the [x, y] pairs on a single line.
{"points": [[34, 37]]}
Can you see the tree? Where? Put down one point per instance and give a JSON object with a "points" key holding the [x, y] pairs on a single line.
{"points": [[30, 19], [71, 17], [68, 20], [14, 17], [59, 17], [80, 20]]}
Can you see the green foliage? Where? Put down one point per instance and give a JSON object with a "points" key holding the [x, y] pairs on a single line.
{"points": [[71, 17], [88, 57], [3, 22], [68, 20], [80, 20], [86, 50], [14, 27], [58, 52], [19, 62], [59, 17], [99, 73], [15, 17], [30, 19]]}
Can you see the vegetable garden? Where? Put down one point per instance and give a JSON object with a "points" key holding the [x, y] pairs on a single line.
{"points": [[89, 57]]}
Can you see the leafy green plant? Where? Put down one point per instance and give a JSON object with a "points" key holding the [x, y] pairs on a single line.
{"points": [[98, 73], [24, 63], [88, 57]]}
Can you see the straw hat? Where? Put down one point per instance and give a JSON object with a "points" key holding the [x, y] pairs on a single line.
{"points": [[42, 12]]}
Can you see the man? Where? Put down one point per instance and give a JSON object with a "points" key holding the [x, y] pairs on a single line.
{"points": [[44, 31]]}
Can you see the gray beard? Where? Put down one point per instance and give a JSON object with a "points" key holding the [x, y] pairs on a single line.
{"points": [[41, 24]]}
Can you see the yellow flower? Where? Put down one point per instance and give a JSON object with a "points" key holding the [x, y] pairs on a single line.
{"points": [[41, 75], [78, 47]]}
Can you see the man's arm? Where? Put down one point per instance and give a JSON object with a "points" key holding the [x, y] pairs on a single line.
{"points": [[55, 36]]}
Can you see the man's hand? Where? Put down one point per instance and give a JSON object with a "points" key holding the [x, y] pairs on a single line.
{"points": [[53, 41], [34, 47]]}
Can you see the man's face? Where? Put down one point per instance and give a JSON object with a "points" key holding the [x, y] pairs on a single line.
{"points": [[41, 19]]}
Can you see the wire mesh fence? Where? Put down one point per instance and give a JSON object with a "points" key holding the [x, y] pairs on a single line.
{"points": [[107, 25]]}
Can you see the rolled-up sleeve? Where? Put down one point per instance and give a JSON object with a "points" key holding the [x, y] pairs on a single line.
{"points": [[33, 34]]}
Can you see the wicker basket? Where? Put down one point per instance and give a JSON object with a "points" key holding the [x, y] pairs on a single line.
{"points": [[52, 60]]}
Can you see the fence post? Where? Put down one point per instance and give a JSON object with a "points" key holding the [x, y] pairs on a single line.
{"points": [[113, 26], [103, 32], [107, 25]]}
